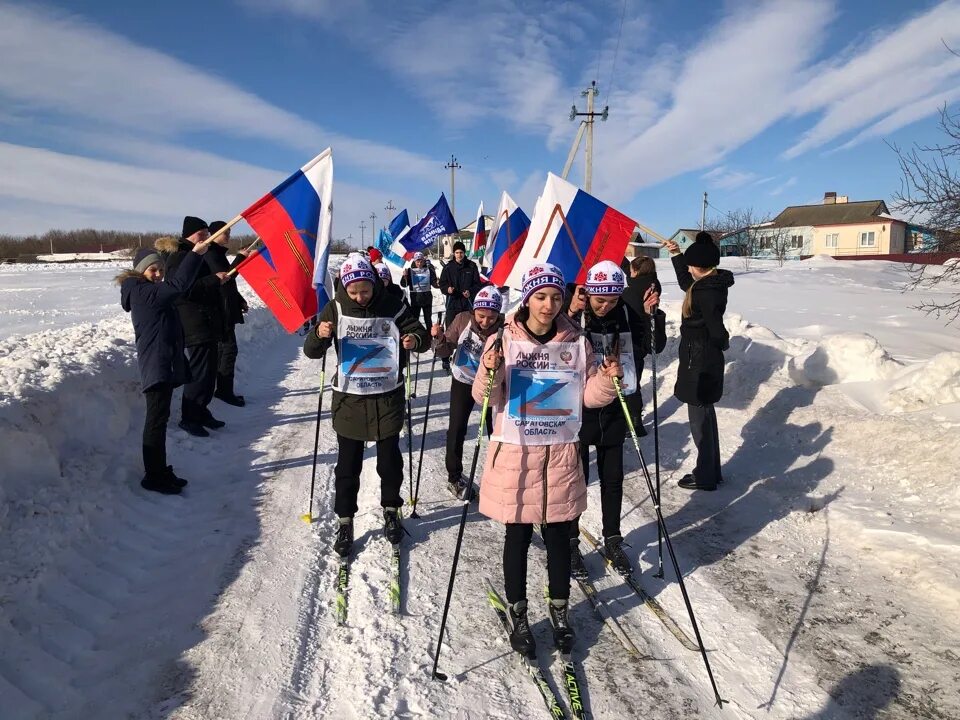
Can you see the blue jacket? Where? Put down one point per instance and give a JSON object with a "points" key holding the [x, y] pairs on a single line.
{"points": [[156, 323]]}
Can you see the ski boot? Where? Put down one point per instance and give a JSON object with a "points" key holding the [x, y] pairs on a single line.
{"points": [[344, 542], [578, 571], [613, 548], [521, 637], [392, 528], [160, 484], [173, 479], [562, 632]]}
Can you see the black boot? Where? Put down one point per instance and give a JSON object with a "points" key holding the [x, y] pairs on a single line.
{"points": [[225, 391], [562, 632], [344, 542], [160, 484], [578, 571], [392, 527], [613, 548], [193, 427], [690, 482], [209, 421], [521, 638], [172, 477]]}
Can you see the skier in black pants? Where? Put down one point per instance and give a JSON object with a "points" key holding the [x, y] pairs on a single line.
{"points": [[703, 338], [201, 314], [420, 277], [459, 282], [464, 339], [368, 327], [613, 328]]}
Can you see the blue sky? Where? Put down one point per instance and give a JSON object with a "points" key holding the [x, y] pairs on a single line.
{"points": [[130, 115]]}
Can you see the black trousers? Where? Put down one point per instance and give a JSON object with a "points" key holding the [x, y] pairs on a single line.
{"points": [[703, 427], [610, 470], [426, 310], [155, 429], [347, 474], [198, 393], [461, 405], [556, 536], [635, 406], [228, 350]]}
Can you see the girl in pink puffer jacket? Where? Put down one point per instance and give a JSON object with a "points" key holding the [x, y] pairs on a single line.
{"points": [[544, 373]]}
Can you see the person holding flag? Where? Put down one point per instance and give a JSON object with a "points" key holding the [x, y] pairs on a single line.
{"points": [[464, 340], [544, 373], [613, 329], [420, 277], [368, 327]]}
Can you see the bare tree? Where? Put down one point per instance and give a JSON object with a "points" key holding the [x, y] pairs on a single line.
{"points": [[780, 242], [743, 229], [930, 192]]}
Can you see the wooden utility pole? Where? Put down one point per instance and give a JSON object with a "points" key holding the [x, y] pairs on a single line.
{"points": [[390, 207], [373, 228], [586, 125], [363, 226], [703, 212]]}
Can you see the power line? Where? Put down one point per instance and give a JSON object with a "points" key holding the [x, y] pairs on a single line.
{"points": [[616, 52]]}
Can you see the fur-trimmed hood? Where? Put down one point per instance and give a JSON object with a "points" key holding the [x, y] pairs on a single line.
{"points": [[167, 244]]}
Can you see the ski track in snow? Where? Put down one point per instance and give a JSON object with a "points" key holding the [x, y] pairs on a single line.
{"points": [[823, 573]]}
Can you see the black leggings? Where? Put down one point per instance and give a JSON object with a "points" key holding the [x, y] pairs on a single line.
{"points": [[610, 470], [556, 536], [461, 406], [425, 309], [347, 474]]}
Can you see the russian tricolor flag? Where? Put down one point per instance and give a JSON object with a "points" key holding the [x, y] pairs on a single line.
{"points": [[294, 221], [572, 230], [479, 244], [262, 277], [509, 233]]}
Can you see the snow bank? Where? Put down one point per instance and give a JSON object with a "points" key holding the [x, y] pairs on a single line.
{"points": [[843, 358], [935, 382]]}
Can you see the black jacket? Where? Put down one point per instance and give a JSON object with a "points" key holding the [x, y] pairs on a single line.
{"points": [[233, 302], [201, 306], [421, 299], [637, 288], [703, 337], [606, 425], [368, 417], [460, 277], [156, 324]]}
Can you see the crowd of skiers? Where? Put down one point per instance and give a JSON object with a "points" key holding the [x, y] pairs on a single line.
{"points": [[185, 306], [561, 375]]}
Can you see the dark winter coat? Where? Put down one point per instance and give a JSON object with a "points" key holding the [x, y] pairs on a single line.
{"points": [[394, 291], [233, 302], [368, 417], [156, 323], [421, 299], [201, 306], [637, 287], [460, 277], [606, 425], [703, 337]]}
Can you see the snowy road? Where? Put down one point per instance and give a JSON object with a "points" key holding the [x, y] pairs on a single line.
{"points": [[824, 573]]}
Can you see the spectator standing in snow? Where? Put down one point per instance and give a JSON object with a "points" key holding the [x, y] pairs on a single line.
{"points": [[459, 282], [234, 308], [201, 314], [159, 338], [367, 327], [543, 376], [703, 339]]}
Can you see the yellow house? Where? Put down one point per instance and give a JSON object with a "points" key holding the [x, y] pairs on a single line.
{"points": [[838, 227]]}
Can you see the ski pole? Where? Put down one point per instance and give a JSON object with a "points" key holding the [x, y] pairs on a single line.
{"points": [[423, 435], [656, 427], [416, 376], [308, 518], [410, 440], [666, 537], [497, 344]]}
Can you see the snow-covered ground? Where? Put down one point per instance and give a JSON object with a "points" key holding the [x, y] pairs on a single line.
{"points": [[824, 572]]}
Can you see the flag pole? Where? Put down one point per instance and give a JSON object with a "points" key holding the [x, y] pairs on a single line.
{"points": [[245, 251]]}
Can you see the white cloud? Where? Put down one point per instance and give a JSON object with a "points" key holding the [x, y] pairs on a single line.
{"points": [[74, 69], [144, 197], [728, 179], [783, 186], [904, 116]]}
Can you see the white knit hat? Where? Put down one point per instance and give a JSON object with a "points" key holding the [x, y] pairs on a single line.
{"points": [[354, 269], [488, 298], [605, 278], [539, 276]]}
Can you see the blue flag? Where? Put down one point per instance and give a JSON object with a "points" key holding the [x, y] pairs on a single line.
{"points": [[439, 221], [400, 223], [385, 245]]}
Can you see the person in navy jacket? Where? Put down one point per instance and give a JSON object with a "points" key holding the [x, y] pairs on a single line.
{"points": [[159, 336]]}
